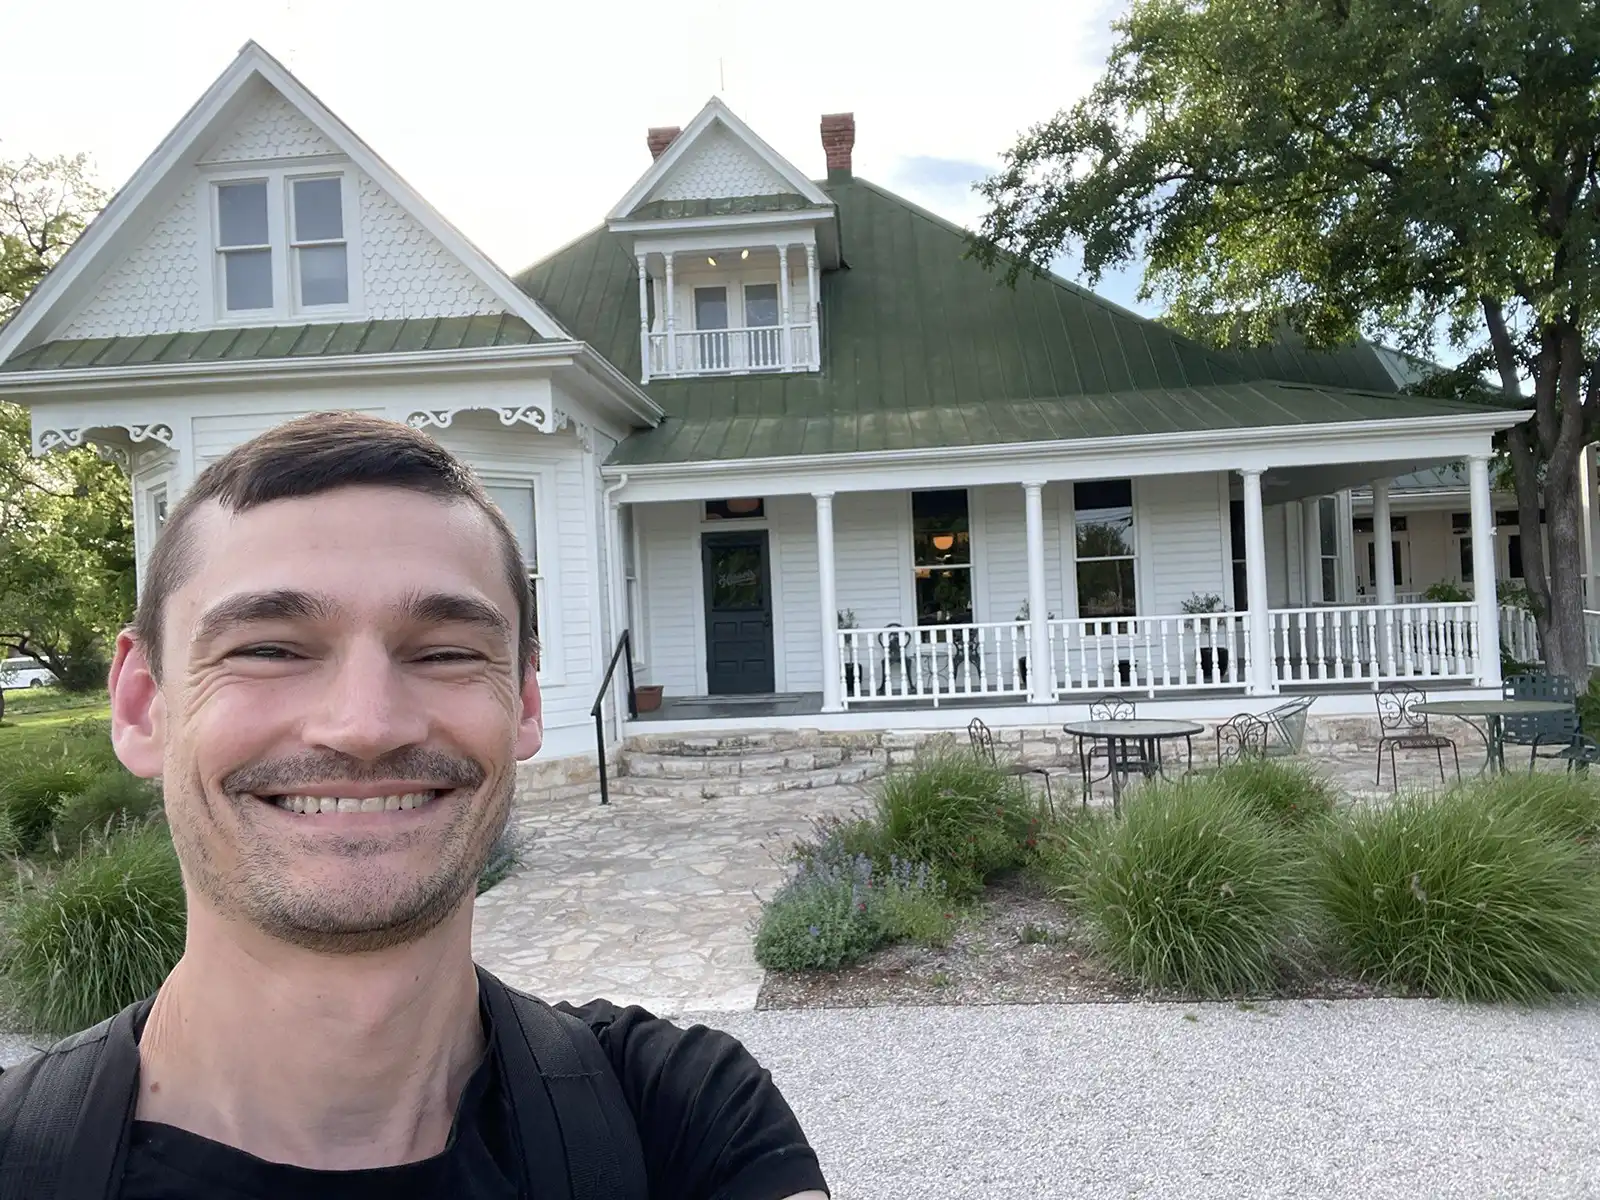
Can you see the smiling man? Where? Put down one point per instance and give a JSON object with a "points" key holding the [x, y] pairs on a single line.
{"points": [[331, 672]]}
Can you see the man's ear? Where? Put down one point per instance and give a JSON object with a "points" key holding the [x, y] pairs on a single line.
{"points": [[138, 714], [530, 731]]}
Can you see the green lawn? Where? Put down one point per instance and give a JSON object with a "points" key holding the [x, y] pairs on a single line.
{"points": [[35, 714]]}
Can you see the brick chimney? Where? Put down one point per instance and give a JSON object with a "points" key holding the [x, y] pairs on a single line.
{"points": [[838, 140], [660, 137]]}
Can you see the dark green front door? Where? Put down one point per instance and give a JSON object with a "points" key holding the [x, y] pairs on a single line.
{"points": [[738, 588]]}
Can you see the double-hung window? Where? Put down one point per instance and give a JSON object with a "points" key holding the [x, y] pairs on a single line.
{"points": [[517, 501], [1106, 554], [941, 540], [283, 246]]}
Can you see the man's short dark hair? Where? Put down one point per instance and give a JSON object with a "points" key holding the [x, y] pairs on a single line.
{"points": [[307, 457]]}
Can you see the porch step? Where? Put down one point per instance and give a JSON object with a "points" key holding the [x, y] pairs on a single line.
{"points": [[700, 766], [764, 783], [761, 742]]}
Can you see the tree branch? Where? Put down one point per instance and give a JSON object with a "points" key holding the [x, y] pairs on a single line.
{"points": [[1505, 354]]}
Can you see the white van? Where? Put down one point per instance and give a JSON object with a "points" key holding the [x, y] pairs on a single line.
{"points": [[24, 672]]}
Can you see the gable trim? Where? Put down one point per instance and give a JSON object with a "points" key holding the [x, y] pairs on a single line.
{"points": [[182, 141], [716, 111]]}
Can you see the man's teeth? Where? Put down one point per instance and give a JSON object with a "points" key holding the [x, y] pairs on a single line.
{"points": [[349, 804]]}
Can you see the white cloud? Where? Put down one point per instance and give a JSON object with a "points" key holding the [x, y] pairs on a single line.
{"points": [[523, 122]]}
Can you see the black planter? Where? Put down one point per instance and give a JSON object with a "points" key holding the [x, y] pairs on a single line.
{"points": [[1022, 670], [1221, 663], [852, 674], [1125, 671]]}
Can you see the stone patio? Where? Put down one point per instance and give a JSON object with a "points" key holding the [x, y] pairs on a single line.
{"points": [[653, 899]]}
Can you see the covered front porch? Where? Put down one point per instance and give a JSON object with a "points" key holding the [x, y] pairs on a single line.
{"points": [[1031, 583]]}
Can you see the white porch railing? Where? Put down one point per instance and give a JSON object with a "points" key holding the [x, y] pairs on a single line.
{"points": [[1519, 635], [933, 662], [1372, 643], [730, 351], [1149, 654]]}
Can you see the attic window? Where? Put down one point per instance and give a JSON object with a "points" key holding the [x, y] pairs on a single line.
{"points": [[245, 245], [284, 244]]}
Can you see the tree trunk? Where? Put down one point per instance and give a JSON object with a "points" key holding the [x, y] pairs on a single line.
{"points": [[1568, 651]]}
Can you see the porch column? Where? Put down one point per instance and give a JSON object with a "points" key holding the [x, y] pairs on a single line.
{"points": [[644, 321], [1591, 527], [828, 587], [1382, 542], [671, 306], [814, 349], [785, 348], [1041, 685], [1263, 672], [1344, 527], [1483, 581], [1311, 548]]}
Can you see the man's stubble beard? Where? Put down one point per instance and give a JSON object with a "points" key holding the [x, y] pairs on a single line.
{"points": [[261, 889]]}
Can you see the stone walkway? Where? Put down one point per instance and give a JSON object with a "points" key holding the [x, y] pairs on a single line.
{"points": [[650, 900]]}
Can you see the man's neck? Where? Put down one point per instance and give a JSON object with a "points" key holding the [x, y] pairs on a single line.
{"points": [[315, 1060]]}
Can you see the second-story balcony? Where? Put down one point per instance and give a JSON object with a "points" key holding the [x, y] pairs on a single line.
{"points": [[731, 351]]}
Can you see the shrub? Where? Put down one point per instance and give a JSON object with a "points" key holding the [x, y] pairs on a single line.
{"points": [[113, 800], [832, 914], [103, 933], [837, 842], [1060, 860], [1464, 896], [960, 814], [35, 789], [1289, 794], [1193, 890], [88, 743], [1568, 804]]}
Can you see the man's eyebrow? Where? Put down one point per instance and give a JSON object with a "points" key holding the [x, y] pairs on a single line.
{"points": [[453, 608], [284, 604]]}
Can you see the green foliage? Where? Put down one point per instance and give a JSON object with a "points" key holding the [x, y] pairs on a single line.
{"points": [[103, 933], [35, 789], [1290, 794], [963, 816], [1061, 855], [1566, 804], [815, 923], [1589, 707], [1446, 591], [1193, 890], [112, 800], [1464, 896]]}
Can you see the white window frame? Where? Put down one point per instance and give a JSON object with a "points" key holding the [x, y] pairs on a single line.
{"points": [[1140, 584], [913, 617], [546, 578], [286, 306]]}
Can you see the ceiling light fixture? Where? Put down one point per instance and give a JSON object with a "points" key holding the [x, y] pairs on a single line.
{"points": [[942, 542], [712, 261], [744, 254]]}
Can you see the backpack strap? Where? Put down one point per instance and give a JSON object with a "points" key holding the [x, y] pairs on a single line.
{"points": [[568, 1107], [65, 1115]]}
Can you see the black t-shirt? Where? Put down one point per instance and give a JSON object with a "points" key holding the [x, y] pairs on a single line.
{"points": [[711, 1123]]}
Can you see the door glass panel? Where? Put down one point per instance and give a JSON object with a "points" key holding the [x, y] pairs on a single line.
{"points": [[736, 584], [711, 308]]}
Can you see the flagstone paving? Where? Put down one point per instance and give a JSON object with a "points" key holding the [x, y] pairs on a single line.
{"points": [[648, 900]]}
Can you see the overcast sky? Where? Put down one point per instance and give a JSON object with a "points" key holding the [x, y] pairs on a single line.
{"points": [[524, 122]]}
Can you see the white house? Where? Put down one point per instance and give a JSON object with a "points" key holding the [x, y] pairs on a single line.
{"points": [[750, 402]]}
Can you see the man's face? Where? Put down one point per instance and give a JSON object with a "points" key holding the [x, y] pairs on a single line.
{"points": [[340, 718]]}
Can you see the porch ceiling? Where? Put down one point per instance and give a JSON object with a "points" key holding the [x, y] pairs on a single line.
{"points": [[1280, 485]]}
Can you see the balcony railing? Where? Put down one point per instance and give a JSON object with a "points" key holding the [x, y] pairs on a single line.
{"points": [[933, 662], [1149, 654], [1375, 644], [730, 351]]}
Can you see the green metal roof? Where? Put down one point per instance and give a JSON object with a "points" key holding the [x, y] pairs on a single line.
{"points": [[279, 341], [1060, 418], [1359, 365], [723, 206]]}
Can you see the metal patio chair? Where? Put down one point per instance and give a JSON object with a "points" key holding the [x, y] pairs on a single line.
{"points": [[1287, 727], [982, 739], [1402, 727], [1134, 760], [1557, 733], [1241, 737]]}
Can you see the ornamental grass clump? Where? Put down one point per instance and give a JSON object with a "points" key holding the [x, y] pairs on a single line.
{"points": [[1290, 794], [962, 815], [1464, 897], [1194, 890], [104, 932], [1568, 804], [34, 788], [112, 800]]}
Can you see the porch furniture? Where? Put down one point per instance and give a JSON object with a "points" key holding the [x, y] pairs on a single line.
{"points": [[1106, 708], [1288, 723], [1493, 713], [1403, 725], [1554, 731], [1242, 736], [982, 739], [1132, 744]]}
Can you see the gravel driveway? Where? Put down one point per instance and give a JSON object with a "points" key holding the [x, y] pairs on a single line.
{"points": [[1298, 1099]]}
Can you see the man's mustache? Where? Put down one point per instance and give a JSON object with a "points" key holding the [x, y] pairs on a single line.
{"points": [[278, 776]]}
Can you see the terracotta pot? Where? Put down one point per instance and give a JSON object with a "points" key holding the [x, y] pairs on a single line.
{"points": [[647, 697]]}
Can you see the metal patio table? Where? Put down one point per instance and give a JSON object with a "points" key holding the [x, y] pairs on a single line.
{"points": [[1118, 734], [1493, 714]]}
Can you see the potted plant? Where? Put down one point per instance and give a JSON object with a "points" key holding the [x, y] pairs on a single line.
{"points": [[647, 697], [1211, 661], [846, 619]]}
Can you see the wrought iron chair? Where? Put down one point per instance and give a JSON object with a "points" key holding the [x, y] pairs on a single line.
{"points": [[896, 676], [1133, 759], [1241, 737], [1556, 732], [982, 739], [1402, 727]]}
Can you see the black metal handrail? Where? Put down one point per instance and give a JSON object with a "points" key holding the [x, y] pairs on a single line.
{"points": [[623, 651]]}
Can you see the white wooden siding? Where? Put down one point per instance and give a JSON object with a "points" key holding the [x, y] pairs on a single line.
{"points": [[872, 553], [669, 568], [798, 636], [1000, 550], [1183, 539]]}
